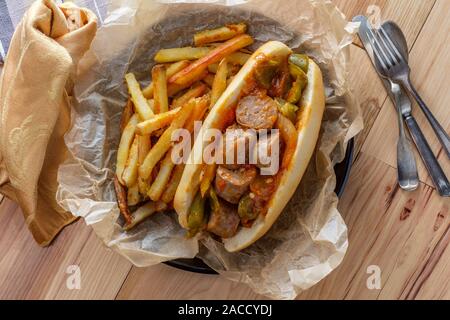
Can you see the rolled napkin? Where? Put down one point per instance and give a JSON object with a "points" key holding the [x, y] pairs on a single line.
{"points": [[35, 89]]}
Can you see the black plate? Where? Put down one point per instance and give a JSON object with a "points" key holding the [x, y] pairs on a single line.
{"points": [[342, 171]]}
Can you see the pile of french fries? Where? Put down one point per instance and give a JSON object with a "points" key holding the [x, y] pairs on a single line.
{"points": [[185, 84]]}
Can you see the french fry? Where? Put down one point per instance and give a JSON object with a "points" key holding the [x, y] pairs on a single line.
{"points": [[148, 91], [143, 149], [171, 70], [209, 79], [212, 68], [130, 174], [162, 178], [124, 146], [217, 44], [160, 89], [171, 188], [219, 34], [220, 82], [232, 69], [151, 103], [122, 202], [177, 66], [165, 141], [127, 113], [173, 89], [238, 58], [178, 54], [196, 91], [208, 176], [144, 212], [199, 66], [157, 122], [140, 103], [133, 196], [235, 59], [246, 50], [201, 105], [143, 187]]}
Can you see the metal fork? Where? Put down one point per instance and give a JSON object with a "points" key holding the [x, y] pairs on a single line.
{"points": [[396, 68], [408, 178]]}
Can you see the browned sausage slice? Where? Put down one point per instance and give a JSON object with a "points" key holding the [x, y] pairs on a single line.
{"points": [[263, 187], [223, 221], [257, 112], [231, 185]]}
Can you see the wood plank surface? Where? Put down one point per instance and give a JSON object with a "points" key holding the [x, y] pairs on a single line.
{"points": [[405, 231], [405, 235], [436, 282], [28, 271]]}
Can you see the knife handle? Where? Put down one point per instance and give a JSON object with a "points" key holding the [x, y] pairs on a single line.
{"points": [[438, 129], [430, 161]]}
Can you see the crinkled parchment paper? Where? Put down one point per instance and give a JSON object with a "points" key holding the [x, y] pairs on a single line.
{"points": [[309, 239]]}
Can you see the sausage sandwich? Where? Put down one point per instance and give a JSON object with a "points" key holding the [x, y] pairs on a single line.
{"points": [[277, 91]]}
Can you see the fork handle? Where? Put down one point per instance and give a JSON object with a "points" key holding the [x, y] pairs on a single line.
{"points": [[430, 161], [438, 129]]}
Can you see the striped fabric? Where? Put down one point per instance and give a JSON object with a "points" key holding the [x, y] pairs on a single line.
{"points": [[11, 11]]}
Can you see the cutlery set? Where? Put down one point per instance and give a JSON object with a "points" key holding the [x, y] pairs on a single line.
{"points": [[388, 51]]}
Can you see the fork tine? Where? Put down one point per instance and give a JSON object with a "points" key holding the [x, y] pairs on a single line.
{"points": [[392, 46], [379, 54], [389, 53]]}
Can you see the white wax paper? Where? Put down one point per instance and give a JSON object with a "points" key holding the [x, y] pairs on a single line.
{"points": [[309, 239]]}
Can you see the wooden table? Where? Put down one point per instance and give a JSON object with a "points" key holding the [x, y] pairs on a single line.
{"points": [[406, 234]]}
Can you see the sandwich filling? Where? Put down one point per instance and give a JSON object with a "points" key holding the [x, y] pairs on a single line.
{"points": [[258, 141]]}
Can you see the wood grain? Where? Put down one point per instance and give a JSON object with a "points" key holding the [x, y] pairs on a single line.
{"points": [[103, 272], [28, 271], [168, 283], [369, 91], [436, 284], [388, 228], [409, 15]]}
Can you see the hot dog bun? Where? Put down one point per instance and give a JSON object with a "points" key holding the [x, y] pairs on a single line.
{"points": [[308, 127]]}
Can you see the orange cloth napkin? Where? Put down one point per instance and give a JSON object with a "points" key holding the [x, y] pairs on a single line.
{"points": [[35, 89]]}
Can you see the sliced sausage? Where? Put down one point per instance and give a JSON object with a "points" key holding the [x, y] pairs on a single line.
{"points": [[223, 220], [263, 187], [231, 185], [257, 111]]}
